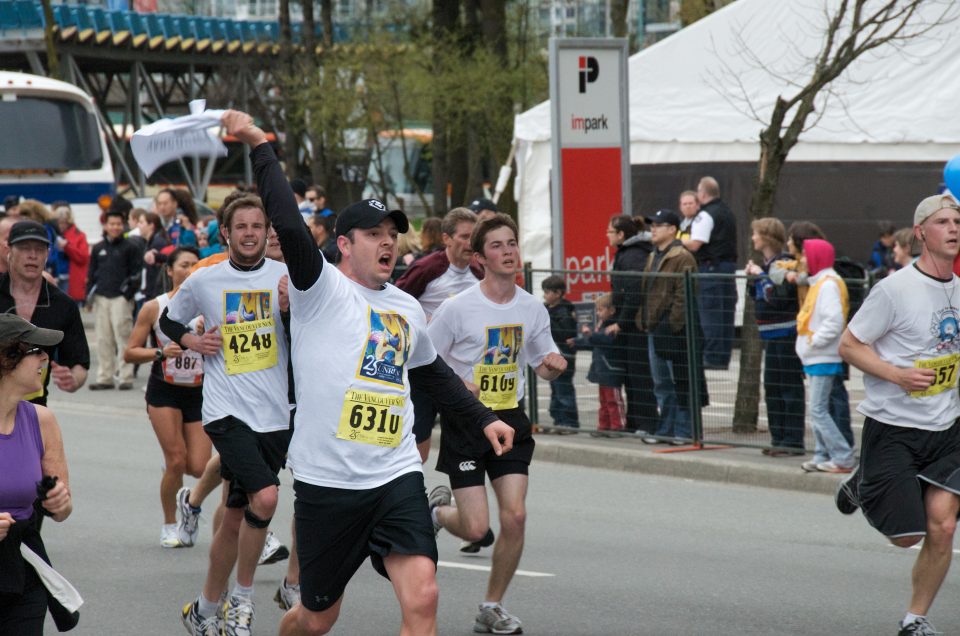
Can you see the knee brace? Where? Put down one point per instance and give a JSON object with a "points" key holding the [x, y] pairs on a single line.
{"points": [[254, 521]]}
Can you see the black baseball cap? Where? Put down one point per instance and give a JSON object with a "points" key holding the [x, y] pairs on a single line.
{"points": [[10, 201], [366, 214], [13, 327], [27, 231], [478, 205], [299, 186], [665, 216]]}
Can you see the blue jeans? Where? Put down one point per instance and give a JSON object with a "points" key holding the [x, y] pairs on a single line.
{"points": [[563, 401], [830, 443], [674, 420], [717, 300], [840, 409], [783, 392]]}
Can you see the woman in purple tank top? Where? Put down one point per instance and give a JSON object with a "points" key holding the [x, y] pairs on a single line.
{"points": [[31, 450]]}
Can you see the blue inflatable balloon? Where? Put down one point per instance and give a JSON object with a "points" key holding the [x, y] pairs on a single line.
{"points": [[951, 176]]}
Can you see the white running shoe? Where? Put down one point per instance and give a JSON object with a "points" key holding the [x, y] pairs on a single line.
{"points": [[287, 595], [496, 620], [188, 525], [197, 625], [237, 617], [439, 496], [169, 538], [273, 550]]}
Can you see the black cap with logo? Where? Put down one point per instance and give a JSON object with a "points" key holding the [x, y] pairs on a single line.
{"points": [[27, 231], [366, 214], [664, 217]]}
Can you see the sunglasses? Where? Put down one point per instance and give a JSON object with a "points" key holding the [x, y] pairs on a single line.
{"points": [[33, 351], [22, 350]]}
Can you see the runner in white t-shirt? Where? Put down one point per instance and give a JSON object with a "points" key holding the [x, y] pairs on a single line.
{"points": [[432, 279], [246, 412], [358, 477], [906, 340], [488, 334]]}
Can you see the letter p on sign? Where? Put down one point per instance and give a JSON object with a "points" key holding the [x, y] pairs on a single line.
{"points": [[589, 71]]}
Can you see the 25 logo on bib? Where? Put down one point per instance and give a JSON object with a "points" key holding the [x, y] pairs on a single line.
{"points": [[386, 348]]}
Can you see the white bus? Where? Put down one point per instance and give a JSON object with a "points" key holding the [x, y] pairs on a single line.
{"points": [[51, 147]]}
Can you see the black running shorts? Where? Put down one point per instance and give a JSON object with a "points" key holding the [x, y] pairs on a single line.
{"points": [[189, 399], [897, 464], [466, 455], [338, 529], [250, 461]]}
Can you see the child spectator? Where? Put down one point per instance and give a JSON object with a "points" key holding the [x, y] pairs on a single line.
{"points": [[820, 324], [563, 327], [881, 258], [606, 368], [905, 247]]}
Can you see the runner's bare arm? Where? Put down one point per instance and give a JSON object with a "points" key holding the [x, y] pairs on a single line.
{"points": [[863, 357], [552, 366], [299, 250]]}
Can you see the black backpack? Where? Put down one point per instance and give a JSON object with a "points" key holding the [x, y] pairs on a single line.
{"points": [[857, 278]]}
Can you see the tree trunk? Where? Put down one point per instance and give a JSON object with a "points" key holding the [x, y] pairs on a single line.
{"points": [[493, 27], [326, 16], [53, 59], [746, 409], [618, 18], [290, 145], [308, 32]]}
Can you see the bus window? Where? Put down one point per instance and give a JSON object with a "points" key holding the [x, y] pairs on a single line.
{"points": [[48, 134]]}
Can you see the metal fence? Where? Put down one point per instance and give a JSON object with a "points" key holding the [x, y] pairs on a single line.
{"points": [[755, 397]]}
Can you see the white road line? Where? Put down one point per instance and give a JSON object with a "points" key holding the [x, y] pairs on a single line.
{"points": [[486, 568]]}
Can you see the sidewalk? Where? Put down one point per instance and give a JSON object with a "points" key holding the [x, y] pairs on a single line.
{"points": [[736, 465]]}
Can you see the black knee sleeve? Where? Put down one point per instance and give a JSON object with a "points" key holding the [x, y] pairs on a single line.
{"points": [[254, 521]]}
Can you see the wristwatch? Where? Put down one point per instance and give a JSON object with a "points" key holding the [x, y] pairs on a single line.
{"points": [[158, 356]]}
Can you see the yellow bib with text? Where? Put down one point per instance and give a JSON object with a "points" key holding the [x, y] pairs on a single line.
{"points": [[498, 385], [946, 378], [249, 346], [371, 418]]}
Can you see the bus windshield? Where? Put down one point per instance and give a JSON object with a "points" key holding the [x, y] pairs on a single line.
{"points": [[48, 134]]}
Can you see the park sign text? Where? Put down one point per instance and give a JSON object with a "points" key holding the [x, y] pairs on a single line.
{"points": [[591, 156]]}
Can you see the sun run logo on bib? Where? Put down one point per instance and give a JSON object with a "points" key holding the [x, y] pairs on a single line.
{"points": [[387, 347]]}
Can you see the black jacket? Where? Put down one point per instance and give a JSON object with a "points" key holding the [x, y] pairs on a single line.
{"points": [[563, 326], [627, 291], [723, 239], [115, 268]]}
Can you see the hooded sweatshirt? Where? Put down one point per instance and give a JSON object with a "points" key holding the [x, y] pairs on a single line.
{"points": [[823, 315]]}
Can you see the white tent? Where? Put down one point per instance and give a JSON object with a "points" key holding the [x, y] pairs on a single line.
{"points": [[691, 97]]}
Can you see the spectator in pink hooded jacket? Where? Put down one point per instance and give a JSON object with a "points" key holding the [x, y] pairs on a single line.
{"points": [[820, 324]]}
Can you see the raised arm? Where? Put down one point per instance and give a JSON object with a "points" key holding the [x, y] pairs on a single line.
{"points": [[299, 250]]}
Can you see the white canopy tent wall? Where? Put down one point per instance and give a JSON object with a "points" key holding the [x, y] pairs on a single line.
{"points": [[885, 130]]}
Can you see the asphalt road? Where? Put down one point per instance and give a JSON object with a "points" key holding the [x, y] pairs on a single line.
{"points": [[607, 553]]}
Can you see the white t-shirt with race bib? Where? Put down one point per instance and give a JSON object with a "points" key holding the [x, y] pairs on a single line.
{"points": [[489, 344], [354, 347], [912, 320], [247, 378]]}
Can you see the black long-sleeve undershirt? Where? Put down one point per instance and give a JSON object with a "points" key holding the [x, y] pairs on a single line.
{"points": [[447, 391], [303, 259]]}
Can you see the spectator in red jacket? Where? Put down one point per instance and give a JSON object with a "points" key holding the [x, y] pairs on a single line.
{"points": [[72, 244]]}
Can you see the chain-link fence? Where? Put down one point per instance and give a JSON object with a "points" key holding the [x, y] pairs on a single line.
{"points": [[702, 362]]}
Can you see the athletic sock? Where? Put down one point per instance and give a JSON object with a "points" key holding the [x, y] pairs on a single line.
{"points": [[207, 608], [488, 604], [433, 515], [910, 618], [241, 590], [169, 527]]}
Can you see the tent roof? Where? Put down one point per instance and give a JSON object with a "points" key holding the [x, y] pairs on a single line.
{"points": [[693, 87]]}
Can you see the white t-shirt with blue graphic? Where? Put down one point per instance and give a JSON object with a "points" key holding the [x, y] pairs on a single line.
{"points": [[911, 319], [352, 348]]}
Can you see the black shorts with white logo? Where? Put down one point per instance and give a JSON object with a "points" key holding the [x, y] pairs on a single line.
{"points": [[249, 460], [337, 529], [897, 465], [466, 455]]}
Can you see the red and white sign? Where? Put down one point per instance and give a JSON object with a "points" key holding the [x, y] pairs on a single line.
{"points": [[591, 163]]}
